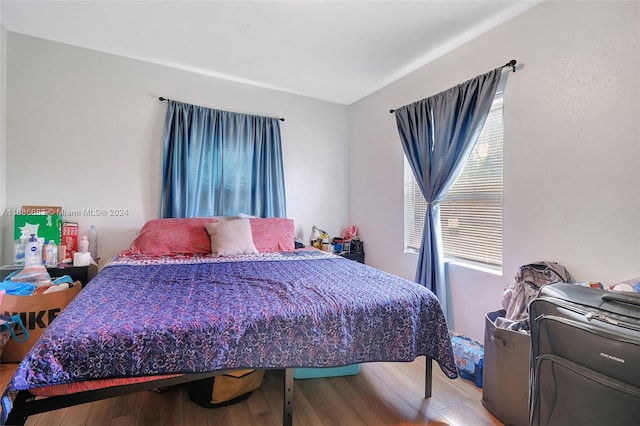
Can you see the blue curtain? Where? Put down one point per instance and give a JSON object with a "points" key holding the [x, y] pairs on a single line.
{"points": [[219, 163], [438, 135]]}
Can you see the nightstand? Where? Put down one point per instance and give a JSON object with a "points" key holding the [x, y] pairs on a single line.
{"points": [[84, 274], [358, 257]]}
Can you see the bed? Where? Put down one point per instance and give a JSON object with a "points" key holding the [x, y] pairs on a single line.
{"points": [[160, 313]]}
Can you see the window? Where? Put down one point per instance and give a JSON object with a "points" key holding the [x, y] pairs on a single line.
{"points": [[221, 163], [471, 212]]}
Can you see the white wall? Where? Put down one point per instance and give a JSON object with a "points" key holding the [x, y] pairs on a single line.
{"points": [[85, 131], [572, 150], [3, 110]]}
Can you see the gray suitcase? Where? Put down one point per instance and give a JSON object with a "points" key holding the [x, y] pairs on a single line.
{"points": [[585, 359]]}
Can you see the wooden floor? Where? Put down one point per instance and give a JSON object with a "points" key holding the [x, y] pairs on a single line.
{"points": [[382, 394]]}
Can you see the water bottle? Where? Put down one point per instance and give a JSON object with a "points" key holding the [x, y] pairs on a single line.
{"points": [[32, 254], [83, 245], [41, 250], [51, 254], [93, 242]]}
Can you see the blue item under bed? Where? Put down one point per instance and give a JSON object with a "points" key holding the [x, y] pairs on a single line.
{"points": [[314, 373]]}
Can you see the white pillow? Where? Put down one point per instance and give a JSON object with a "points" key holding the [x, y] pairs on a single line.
{"points": [[231, 238]]}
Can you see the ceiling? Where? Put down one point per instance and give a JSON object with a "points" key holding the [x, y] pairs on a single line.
{"points": [[339, 51]]}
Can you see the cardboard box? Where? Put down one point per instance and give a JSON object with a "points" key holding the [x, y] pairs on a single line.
{"points": [[47, 226], [36, 313], [70, 238]]}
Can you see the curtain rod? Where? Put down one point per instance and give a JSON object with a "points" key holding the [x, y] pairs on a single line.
{"points": [[512, 63], [166, 99]]}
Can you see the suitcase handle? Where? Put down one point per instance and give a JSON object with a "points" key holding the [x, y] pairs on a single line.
{"points": [[630, 298]]}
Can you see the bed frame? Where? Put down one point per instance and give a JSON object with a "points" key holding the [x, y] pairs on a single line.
{"points": [[26, 404]]}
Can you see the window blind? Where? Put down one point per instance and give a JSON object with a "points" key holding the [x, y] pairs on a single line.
{"points": [[471, 212]]}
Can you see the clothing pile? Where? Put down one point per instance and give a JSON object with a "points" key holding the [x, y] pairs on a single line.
{"points": [[529, 280], [33, 279]]}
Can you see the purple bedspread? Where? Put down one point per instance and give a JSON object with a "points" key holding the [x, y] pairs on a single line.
{"points": [[283, 311]]}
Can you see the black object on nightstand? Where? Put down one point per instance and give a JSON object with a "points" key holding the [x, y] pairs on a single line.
{"points": [[84, 274], [358, 257]]}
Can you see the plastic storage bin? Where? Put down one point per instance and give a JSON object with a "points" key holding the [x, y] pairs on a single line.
{"points": [[313, 373]]}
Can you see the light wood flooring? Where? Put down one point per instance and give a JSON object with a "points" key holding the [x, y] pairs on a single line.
{"points": [[382, 394]]}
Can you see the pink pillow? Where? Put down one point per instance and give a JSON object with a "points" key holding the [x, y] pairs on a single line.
{"points": [[161, 237], [272, 234], [231, 238]]}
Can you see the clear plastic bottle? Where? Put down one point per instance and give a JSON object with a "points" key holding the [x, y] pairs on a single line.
{"points": [[32, 252], [83, 244], [51, 254], [93, 242], [41, 249], [19, 246]]}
